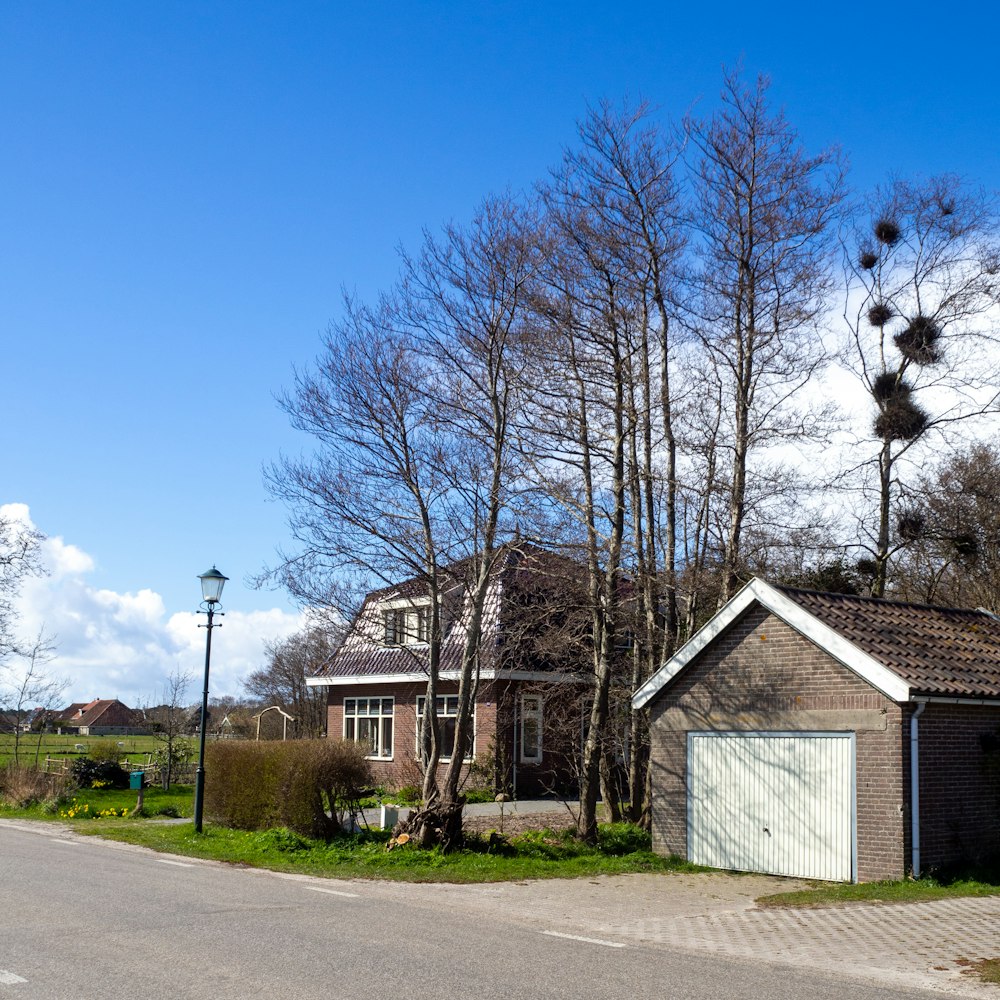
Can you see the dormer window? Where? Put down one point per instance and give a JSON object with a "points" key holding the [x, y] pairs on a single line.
{"points": [[407, 626]]}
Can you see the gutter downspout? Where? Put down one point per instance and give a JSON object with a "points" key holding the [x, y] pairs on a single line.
{"points": [[915, 788], [514, 746]]}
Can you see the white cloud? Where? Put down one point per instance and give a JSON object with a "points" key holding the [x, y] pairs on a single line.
{"points": [[125, 645]]}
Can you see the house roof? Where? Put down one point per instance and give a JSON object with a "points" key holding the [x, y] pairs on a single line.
{"points": [[362, 655], [74, 709], [87, 714], [907, 651]]}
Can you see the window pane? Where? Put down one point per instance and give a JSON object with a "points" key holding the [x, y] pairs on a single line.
{"points": [[387, 706], [451, 705], [367, 732], [420, 705], [386, 737], [349, 706], [447, 736], [349, 728], [530, 737]]}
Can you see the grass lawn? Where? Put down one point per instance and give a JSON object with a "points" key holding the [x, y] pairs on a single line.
{"points": [[179, 801], [533, 855]]}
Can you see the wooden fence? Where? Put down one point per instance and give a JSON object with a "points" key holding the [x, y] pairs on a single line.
{"points": [[183, 774]]}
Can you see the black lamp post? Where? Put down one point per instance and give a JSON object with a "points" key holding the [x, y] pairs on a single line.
{"points": [[212, 582]]}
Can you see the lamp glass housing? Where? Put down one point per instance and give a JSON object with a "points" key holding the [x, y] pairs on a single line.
{"points": [[212, 582]]}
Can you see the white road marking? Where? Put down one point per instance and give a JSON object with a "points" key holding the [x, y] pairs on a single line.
{"points": [[333, 892], [72, 843], [585, 940], [9, 979], [179, 864]]}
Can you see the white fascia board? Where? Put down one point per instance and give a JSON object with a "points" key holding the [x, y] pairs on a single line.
{"points": [[399, 603], [417, 676], [722, 620], [540, 676], [830, 641]]}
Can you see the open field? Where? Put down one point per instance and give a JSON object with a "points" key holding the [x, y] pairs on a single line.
{"points": [[65, 747]]}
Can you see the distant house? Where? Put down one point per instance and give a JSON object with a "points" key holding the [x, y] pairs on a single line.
{"points": [[828, 736], [528, 703], [102, 717], [33, 719]]}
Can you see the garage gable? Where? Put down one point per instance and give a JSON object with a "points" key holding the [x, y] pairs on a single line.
{"points": [[801, 620]]}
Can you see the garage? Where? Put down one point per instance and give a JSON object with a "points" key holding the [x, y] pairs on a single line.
{"points": [[828, 736], [778, 803]]}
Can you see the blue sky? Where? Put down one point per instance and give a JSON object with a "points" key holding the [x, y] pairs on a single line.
{"points": [[187, 187]]}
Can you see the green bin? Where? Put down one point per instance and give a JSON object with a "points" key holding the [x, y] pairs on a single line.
{"points": [[135, 780]]}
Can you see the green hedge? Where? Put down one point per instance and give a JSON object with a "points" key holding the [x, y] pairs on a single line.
{"points": [[305, 785]]}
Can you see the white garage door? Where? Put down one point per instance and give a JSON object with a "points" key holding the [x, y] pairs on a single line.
{"points": [[780, 803]]}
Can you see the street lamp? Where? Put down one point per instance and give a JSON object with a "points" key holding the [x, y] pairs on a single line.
{"points": [[212, 582]]}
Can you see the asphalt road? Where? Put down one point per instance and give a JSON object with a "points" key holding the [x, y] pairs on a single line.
{"points": [[80, 918]]}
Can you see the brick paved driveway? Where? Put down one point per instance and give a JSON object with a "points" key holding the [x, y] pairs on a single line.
{"points": [[920, 945]]}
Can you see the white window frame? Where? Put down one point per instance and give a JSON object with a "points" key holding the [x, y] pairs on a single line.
{"points": [[532, 712], [447, 709], [382, 747], [410, 624]]}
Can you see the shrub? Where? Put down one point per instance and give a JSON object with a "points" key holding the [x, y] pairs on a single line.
{"points": [[408, 795], [106, 752], [87, 771], [22, 786], [619, 839], [307, 786]]}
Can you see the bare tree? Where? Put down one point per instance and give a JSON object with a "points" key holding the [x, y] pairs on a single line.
{"points": [[599, 432], [954, 558], [411, 404], [761, 240], [282, 681], [923, 275], [19, 558], [171, 719], [32, 692], [368, 509], [467, 296]]}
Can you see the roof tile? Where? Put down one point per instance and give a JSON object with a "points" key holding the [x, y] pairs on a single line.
{"points": [[943, 652]]}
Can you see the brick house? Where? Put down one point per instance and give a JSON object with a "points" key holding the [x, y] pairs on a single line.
{"points": [[828, 736], [102, 717], [376, 680]]}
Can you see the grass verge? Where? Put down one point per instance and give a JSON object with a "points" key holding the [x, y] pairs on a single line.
{"points": [[534, 855], [906, 891], [988, 970]]}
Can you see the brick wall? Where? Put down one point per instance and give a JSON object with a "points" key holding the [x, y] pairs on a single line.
{"points": [[497, 746], [404, 768], [959, 784], [762, 668]]}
